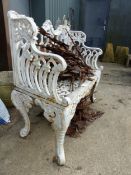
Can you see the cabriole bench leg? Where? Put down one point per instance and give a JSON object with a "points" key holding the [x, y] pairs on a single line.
{"points": [[60, 153], [60, 125], [22, 103]]}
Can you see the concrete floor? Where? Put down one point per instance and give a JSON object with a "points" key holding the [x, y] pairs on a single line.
{"points": [[103, 149]]}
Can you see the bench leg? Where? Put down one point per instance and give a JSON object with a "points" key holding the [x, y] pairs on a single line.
{"points": [[22, 103], [60, 126], [60, 153], [92, 98]]}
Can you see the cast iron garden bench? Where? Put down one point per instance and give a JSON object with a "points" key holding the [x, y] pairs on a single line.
{"points": [[35, 76]]}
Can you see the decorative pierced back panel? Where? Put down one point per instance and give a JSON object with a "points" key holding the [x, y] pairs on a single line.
{"points": [[78, 39], [74, 38]]}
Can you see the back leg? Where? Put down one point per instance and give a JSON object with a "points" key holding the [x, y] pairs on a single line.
{"points": [[92, 98]]}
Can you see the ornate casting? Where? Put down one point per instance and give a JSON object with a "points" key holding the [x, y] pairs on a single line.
{"points": [[35, 75]]}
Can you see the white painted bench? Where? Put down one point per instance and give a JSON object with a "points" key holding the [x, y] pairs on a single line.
{"points": [[35, 75]]}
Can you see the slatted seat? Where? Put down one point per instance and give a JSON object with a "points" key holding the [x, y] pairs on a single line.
{"points": [[36, 75]]}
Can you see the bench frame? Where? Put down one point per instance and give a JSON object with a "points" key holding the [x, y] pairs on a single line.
{"points": [[36, 80]]}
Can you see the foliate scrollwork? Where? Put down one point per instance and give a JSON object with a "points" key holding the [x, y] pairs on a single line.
{"points": [[21, 100], [70, 38], [36, 73], [22, 27], [33, 70]]}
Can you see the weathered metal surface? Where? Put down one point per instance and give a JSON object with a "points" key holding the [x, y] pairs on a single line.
{"points": [[36, 73]]}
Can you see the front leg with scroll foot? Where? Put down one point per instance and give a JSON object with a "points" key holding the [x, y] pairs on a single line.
{"points": [[23, 103], [60, 125]]}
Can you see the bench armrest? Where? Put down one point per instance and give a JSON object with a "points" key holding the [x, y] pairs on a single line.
{"points": [[91, 55], [50, 66], [33, 71]]}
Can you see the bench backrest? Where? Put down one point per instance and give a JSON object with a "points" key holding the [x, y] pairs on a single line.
{"points": [[73, 38], [64, 34]]}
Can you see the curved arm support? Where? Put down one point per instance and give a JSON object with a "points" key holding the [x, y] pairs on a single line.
{"points": [[55, 65], [91, 55]]}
